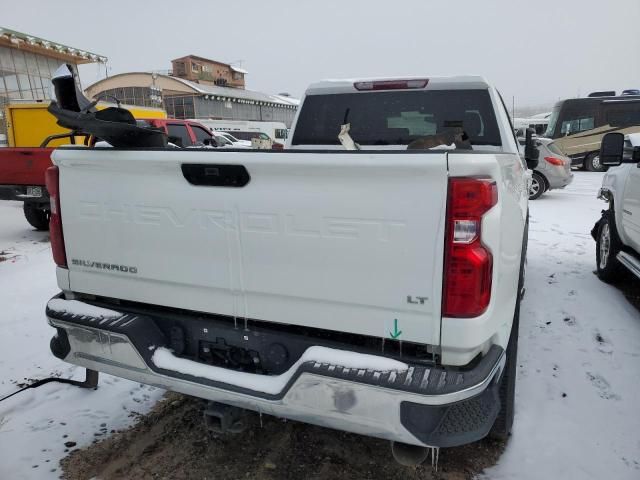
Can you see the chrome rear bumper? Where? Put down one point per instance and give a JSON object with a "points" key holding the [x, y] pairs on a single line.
{"points": [[422, 406]]}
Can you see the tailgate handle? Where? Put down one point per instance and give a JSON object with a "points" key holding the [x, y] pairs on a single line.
{"points": [[214, 175]]}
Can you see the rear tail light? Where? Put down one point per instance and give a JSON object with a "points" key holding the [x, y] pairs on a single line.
{"points": [[277, 146], [52, 178], [554, 161], [392, 84], [468, 264]]}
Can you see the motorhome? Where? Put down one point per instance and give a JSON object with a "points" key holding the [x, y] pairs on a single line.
{"points": [[578, 125]]}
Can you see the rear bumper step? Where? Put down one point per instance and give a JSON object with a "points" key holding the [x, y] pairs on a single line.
{"points": [[362, 393]]}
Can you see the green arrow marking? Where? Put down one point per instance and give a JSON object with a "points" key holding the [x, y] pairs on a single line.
{"points": [[396, 333]]}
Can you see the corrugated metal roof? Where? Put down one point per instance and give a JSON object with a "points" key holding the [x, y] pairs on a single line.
{"points": [[239, 93], [287, 99], [238, 69], [82, 55], [213, 90]]}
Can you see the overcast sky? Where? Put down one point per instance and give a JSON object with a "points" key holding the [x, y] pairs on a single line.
{"points": [[538, 53]]}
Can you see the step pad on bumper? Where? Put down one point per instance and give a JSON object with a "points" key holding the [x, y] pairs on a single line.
{"points": [[452, 425]]}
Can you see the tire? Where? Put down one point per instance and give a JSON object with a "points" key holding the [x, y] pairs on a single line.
{"points": [[608, 246], [38, 218], [538, 186], [592, 163]]}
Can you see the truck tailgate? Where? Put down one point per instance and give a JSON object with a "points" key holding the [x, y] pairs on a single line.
{"points": [[335, 240]]}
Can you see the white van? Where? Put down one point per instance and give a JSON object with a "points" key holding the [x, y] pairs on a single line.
{"points": [[276, 131]]}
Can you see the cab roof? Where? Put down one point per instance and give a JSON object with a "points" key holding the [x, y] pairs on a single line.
{"points": [[346, 85]]}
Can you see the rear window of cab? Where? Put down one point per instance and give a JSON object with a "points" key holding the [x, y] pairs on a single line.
{"points": [[397, 117]]}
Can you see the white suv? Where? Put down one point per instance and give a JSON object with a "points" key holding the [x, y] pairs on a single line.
{"points": [[617, 233]]}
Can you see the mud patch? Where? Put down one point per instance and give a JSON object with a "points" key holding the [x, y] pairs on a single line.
{"points": [[172, 442]]}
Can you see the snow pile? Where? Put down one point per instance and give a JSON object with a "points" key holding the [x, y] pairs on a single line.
{"points": [[163, 358], [75, 307]]}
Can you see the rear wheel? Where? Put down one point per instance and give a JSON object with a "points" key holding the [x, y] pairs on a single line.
{"points": [[37, 217], [608, 246], [538, 186], [592, 163]]}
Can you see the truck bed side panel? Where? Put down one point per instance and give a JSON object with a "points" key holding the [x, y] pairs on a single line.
{"points": [[502, 234]]}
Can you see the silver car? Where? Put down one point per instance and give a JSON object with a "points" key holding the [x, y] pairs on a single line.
{"points": [[553, 170]]}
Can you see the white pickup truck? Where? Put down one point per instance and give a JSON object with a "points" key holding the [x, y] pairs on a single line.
{"points": [[617, 232], [374, 290]]}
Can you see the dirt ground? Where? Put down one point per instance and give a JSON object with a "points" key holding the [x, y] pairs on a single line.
{"points": [[172, 442]]}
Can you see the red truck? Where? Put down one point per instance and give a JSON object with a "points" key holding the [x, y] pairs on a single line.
{"points": [[22, 168], [184, 133], [22, 178]]}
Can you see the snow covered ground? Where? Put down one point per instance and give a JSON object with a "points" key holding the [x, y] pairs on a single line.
{"points": [[578, 390], [579, 356], [36, 424]]}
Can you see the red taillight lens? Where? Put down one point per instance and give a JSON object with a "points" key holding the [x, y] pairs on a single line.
{"points": [[392, 84], [52, 177], [468, 264], [554, 161]]}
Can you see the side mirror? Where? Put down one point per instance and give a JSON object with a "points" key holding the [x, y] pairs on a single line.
{"points": [[612, 149], [531, 152]]}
